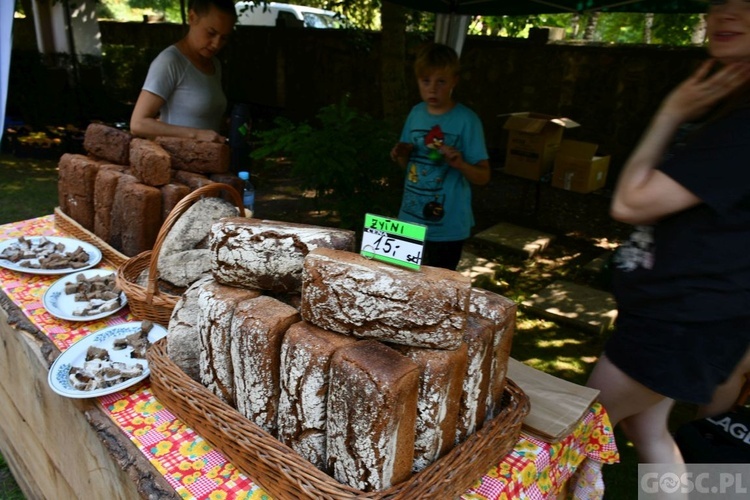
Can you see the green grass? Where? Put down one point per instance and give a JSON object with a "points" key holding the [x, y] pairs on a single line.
{"points": [[9, 490], [28, 188]]}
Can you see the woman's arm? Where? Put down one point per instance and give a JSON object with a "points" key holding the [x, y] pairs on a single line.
{"points": [[643, 194], [143, 122]]}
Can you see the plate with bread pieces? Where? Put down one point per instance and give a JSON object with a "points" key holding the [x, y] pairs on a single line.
{"points": [[106, 361], [48, 255], [84, 296]]}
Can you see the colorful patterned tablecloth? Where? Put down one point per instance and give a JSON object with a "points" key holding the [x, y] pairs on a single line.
{"points": [[534, 469]]}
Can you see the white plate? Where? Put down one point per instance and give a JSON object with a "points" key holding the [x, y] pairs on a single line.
{"points": [[95, 255], [104, 339], [61, 305]]}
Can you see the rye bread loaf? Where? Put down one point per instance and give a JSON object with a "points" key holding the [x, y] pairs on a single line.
{"points": [[184, 254], [140, 216], [171, 194], [306, 353], [192, 180], [268, 255], [476, 380], [196, 156], [258, 328], [372, 409], [501, 311], [151, 164], [440, 388], [75, 187], [183, 337], [217, 304], [231, 180], [105, 190], [119, 216], [108, 143], [347, 293]]}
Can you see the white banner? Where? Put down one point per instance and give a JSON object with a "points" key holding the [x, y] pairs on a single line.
{"points": [[6, 43]]}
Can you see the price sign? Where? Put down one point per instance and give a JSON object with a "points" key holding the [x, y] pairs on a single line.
{"points": [[393, 241]]}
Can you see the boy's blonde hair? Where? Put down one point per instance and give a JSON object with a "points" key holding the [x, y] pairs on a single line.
{"points": [[436, 56]]}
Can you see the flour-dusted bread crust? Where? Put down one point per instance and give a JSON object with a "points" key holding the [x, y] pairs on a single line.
{"points": [[346, 293], [372, 409], [268, 255], [501, 311], [258, 327], [476, 382], [217, 304], [306, 354], [440, 388], [183, 337]]}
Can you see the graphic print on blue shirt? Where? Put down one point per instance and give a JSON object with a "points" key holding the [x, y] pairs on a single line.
{"points": [[424, 197]]}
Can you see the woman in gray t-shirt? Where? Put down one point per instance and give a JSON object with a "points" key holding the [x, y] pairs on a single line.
{"points": [[182, 95]]}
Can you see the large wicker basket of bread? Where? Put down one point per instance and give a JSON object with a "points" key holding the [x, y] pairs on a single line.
{"points": [[151, 302], [323, 374], [284, 474]]}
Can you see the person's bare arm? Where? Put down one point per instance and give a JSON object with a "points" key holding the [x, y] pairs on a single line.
{"points": [[478, 173], [143, 122], [644, 194], [401, 153]]}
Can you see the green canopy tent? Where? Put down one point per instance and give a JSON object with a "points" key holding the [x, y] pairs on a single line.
{"points": [[453, 16]]}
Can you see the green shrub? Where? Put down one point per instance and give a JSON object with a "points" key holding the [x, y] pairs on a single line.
{"points": [[343, 157]]}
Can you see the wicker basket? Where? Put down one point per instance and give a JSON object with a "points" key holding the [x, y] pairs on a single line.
{"points": [[69, 225], [286, 475], [150, 303]]}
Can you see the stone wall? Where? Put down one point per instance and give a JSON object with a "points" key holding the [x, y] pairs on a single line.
{"points": [[610, 90]]}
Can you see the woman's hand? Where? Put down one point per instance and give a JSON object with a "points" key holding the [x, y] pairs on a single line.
{"points": [[701, 91], [209, 136]]}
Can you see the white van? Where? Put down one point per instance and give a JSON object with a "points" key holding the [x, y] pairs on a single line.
{"points": [[284, 14]]}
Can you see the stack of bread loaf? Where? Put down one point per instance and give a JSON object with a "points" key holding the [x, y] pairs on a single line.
{"points": [[371, 374], [125, 187]]}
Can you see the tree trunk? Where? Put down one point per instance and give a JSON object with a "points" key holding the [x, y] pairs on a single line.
{"points": [[588, 33], [699, 31], [575, 25], [393, 60], [648, 28]]}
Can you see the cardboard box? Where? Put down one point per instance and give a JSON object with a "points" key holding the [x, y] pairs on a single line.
{"points": [[578, 169], [532, 143]]}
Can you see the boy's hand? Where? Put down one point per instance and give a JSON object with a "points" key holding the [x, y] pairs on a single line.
{"points": [[452, 156], [401, 151]]}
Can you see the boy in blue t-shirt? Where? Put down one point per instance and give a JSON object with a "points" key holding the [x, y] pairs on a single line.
{"points": [[442, 149]]}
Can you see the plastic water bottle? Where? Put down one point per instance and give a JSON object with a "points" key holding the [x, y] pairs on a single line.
{"points": [[248, 193]]}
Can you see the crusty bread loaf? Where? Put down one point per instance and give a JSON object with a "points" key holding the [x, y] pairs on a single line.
{"points": [[75, 186], [120, 212], [258, 327], [192, 180], [440, 388], [217, 304], [372, 408], [171, 194], [108, 143], [150, 163], [306, 354], [140, 216], [105, 189], [183, 337], [231, 180], [197, 156], [268, 255], [501, 311], [476, 381], [347, 293]]}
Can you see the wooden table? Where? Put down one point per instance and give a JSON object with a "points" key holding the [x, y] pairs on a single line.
{"points": [[128, 445]]}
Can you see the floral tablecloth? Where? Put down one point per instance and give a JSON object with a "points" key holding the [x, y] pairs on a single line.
{"points": [[534, 469]]}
